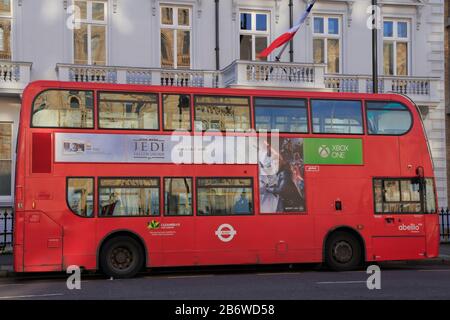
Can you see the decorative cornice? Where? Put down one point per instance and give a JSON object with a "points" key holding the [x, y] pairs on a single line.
{"points": [[349, 13], [349, 4], [277, 10], [114, 4], [199, 8], [419, 10], [419, 5], [234, 6], [153, 7]]}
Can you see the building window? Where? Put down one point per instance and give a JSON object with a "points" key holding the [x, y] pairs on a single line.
{"points": [[396, 35], [129, 197], [80, 196], [176, 29], [5, 29], [90, 38], [327, 42], [253, 35], [6, 158]]}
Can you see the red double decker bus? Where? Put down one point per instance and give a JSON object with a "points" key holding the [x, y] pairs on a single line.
{"points": [[109, 177]]}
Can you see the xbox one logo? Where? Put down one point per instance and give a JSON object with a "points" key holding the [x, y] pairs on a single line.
{"points": [[324, 151]]}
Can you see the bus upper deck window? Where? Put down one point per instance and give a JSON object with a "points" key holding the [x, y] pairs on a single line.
{"points": [[388, 118], [177, 111], [285, 115], [128, 111], [337, 116], [80, 196], [63, 109], [222, 113]]}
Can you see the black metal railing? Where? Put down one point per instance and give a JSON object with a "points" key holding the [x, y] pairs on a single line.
{"points": [[444, 222], [6, 229]]}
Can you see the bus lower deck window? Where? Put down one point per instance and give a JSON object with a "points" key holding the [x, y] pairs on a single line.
{"points": [[404, 195], [80, 196], [128, 197], [178, 196], [224, 196]]}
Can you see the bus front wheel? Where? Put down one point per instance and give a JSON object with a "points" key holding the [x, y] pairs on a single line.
{"points": [[343, 251], [121, 257]]}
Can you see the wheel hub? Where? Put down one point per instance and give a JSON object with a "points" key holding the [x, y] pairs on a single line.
{"points": [[342, 252], [121, 258]]}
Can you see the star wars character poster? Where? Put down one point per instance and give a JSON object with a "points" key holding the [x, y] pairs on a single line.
{"points": [[281, 172]]}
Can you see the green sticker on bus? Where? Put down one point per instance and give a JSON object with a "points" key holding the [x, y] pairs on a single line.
{"points": [[333, 151]]}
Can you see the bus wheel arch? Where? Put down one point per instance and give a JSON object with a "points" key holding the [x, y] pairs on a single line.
{"points": [[348, 236], [117, 240]]}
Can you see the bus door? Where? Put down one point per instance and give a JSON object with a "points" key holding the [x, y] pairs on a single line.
{"points": [[399, 224], [43, 234], [177, 227]]}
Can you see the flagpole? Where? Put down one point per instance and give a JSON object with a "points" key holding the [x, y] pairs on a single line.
{"points": [[374, 47], [278, 56]]}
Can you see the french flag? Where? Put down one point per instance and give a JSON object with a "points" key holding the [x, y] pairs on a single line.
{"points": [[288, 35]]}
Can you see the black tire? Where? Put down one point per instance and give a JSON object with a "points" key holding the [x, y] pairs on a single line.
{"points": [[121, 257], [343, 252]]}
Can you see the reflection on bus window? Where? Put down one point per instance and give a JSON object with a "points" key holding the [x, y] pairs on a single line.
{"points": [[222, 113], [177, 196], [337, 116], [404, 196], [129, 197], [285, 115], [224, 196], [80, 196], [128, 111], [388, 118], [176, 111], [63, 109]]}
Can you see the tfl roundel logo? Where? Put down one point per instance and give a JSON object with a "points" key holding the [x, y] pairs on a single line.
{"points": [[225, 232]]}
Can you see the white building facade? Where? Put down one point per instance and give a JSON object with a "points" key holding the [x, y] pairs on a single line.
{"points": [[176, 43]]}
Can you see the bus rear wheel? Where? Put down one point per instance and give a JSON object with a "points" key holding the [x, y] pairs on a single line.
{"points": [[343, 252], [121, 257]]}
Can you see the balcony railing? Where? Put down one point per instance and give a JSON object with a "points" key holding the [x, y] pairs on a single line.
{"points": [[273, 74], [144, 76], [256, 74], [420, 89], [14, 76]]}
